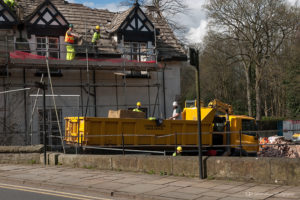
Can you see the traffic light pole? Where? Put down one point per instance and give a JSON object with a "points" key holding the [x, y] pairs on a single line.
{"points": [[194, 61], [44, 122], [199, 121]]}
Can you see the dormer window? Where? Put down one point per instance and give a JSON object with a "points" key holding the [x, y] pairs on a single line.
{"points": [[135, 51], [54, 52], [53, 46]]}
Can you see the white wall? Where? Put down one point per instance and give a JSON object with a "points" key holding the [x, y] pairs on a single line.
{"points": [[106, 96]]}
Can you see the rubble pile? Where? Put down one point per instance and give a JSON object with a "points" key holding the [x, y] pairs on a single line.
{"points": [[283, 148]]}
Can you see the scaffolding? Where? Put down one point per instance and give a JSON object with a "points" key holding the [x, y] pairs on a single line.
{"points": [[128, 62]]}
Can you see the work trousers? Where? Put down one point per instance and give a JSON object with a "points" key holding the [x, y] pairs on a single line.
{"points": [[95, 47], [70, 52]]}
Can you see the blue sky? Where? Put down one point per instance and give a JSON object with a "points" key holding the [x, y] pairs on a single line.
{"points": [[99, 1]]}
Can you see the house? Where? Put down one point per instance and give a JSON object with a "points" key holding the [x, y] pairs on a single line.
{"points": [[139, 60]]}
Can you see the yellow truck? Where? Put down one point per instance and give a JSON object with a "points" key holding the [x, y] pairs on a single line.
{"points": [[148, 134], [227, 127]]}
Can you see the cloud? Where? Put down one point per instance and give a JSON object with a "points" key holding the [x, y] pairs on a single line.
{"points": [[114, 7], [196, 35], [195, 20]]}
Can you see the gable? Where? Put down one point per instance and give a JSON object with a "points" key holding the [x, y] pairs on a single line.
{"points": [[46, 21], [136, 27], [7, 18]]}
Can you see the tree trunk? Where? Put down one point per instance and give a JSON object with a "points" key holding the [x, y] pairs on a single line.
{"points": [[258, 91], [248, 83], [266, 108]]}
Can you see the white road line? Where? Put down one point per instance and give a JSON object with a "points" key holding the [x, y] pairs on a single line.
{"points": [[51, 192]]}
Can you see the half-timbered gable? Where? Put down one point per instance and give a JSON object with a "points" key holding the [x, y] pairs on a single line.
{"points": [[136, 27], [7, 17], [134, 33], [46, 21]]}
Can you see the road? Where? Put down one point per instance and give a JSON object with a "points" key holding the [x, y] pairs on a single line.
{"points": [[16, 192]]}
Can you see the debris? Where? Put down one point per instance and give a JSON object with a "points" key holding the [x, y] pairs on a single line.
{"points": [[282, 148]]}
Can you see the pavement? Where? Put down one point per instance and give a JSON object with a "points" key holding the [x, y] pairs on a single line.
{"points": [[115, 185]]}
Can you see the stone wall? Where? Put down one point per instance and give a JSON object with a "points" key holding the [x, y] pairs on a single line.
{"points": [[263, 170], [282, 171], [18, 158]]}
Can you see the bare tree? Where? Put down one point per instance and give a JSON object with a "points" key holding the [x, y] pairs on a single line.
{"points": [[258, 28]]}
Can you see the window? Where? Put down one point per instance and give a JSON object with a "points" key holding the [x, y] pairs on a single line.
{"points": [[137, 74], [41, 46], [249, 125], [136, 51], [52, 131]]}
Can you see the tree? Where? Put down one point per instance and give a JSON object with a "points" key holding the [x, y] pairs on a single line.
{"points": [[258, 29], [221, 72]]}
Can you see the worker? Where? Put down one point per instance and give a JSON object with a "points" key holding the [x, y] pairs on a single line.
{"points": [[70, 40], [178, 151], [263, 141], [10, 3], [138, 107], [95, 39], [176, 111]]}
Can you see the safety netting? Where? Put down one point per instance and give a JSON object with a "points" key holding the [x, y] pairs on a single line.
{"points": [[25, 55]]}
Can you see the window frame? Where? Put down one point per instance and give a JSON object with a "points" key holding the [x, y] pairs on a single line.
{"points": [[41, 51]]}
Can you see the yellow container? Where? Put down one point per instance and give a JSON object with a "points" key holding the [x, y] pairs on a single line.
{"points": [[136, 132]]}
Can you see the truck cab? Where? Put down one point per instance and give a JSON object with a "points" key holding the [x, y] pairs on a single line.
{"points": [[242, 128]]}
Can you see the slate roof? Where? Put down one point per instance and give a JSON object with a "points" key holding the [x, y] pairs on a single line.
{"points": [[118, 19], [84, 20]]}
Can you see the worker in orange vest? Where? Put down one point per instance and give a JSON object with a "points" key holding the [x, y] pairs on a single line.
{"points": [[70, 40], [264, 140]]}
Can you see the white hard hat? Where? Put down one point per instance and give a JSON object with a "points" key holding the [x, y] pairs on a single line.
{"points": [[175, 103]]}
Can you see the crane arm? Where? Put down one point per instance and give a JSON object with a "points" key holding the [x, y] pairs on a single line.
{"points": [[221, 106]]}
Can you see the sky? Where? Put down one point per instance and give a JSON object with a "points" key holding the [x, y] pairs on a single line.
{"points": [[195, 20]]}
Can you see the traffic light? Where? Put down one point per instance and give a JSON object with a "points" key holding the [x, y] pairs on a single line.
{"points": [[194, 57]]}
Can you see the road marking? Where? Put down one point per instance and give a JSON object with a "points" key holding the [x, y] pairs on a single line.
{"points": [[51, 192]]}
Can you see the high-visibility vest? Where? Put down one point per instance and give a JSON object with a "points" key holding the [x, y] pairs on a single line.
{"points": [[69, 38], [264, 140], [137, 110], [96, 37], [10, 3]]}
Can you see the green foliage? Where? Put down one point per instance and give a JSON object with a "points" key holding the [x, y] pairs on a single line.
{"points": [[292, 83], [32, 162], [151, 172]]}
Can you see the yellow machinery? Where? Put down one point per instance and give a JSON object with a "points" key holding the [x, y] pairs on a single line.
{"points": [[136, 133], [239, 126]]}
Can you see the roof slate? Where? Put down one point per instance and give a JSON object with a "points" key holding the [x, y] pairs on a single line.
{"points": [[85, 19]]}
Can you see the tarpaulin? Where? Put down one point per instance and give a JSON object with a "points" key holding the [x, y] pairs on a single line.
{"points": [[26, 55]]}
